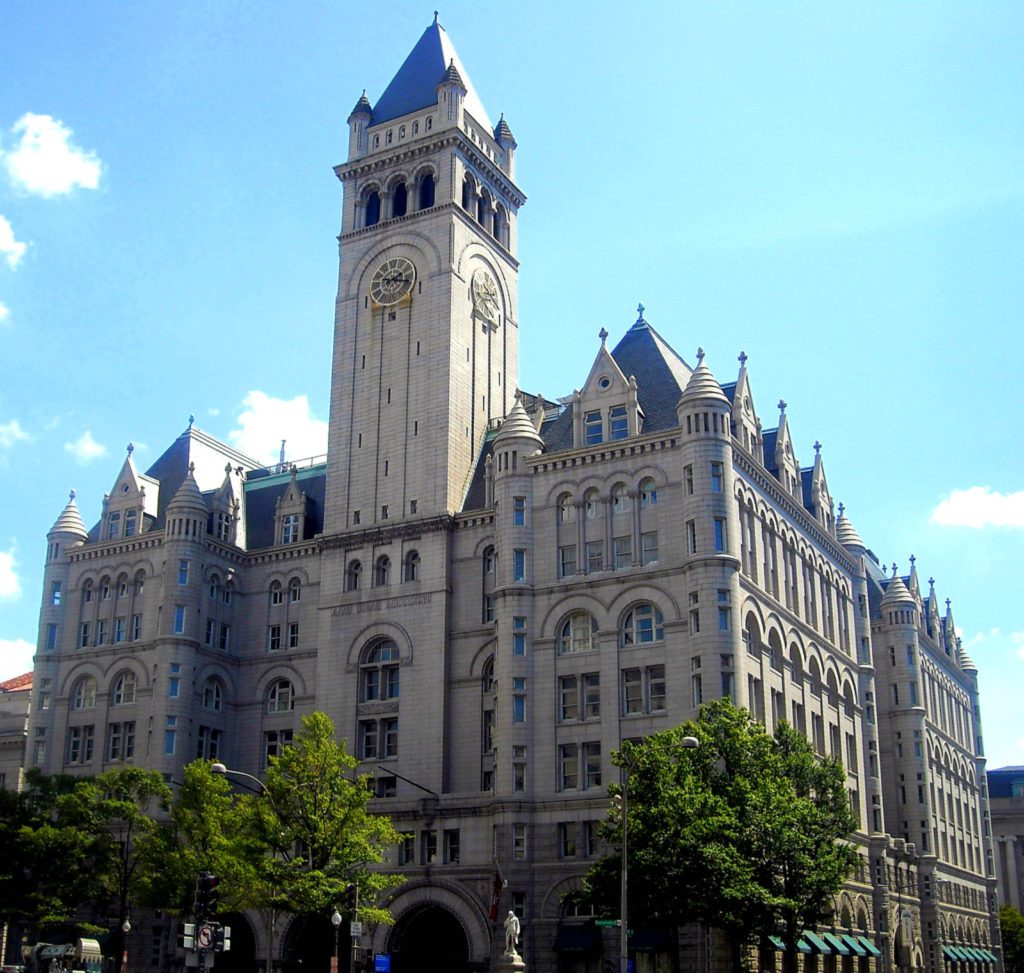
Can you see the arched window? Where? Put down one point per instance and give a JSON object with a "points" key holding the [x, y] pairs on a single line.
{"points": [[280, 697], [498, 224], [566, 509], [648, 492], [775, 650], [140, 583], [378, 672], [124, 689], [294, 590], [213, 694], [411, 571], [487, 676], [104, 589], [86, 592], [399, 200], [489, 560], [481, 207], [591, 503], [796, 662], [229, 590], [214, 586], [814, 676], [352, 573], [382, 571], [426, 190], [373, 208], [468, 194], [832, 688], [620, 499], [122, 586], [849, 700], [276, 593], [84, 696], [576, 633], [642, 624]]}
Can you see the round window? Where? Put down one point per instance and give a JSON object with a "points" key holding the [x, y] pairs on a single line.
{"points": [[603, 382]]}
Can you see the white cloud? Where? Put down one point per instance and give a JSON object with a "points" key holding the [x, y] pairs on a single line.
{"points": [[15, 658], [10, 584], [980, 507], [85, 449], [46, 161], [11, 433], [265, 421], [4, 312], [12, 250]]}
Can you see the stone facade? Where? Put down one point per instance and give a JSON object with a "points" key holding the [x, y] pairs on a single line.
{"points": [[1006, 797], [488, 591]]}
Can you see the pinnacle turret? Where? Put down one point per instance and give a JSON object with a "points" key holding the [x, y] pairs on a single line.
{"points": [[70, 520]]}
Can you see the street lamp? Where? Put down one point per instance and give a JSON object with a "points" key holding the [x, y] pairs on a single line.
{"points": [[126, 927], [223, 771], [336, 922], [687, 743]]}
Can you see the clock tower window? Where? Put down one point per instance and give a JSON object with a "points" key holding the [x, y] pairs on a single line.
{"points": [[373, 208], [426, 190], [399, 200]]}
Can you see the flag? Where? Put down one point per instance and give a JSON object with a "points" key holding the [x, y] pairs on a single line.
{"points": [[497, 884]]}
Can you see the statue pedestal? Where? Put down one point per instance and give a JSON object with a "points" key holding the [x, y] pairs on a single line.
{"points": [[509, 963]]}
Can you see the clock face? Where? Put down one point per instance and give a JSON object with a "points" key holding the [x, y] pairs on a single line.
{"points": [[485, 296], [392, 281]]}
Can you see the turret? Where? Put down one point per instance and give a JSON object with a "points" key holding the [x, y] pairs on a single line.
{"points": [[504, 137], [63, 537], [711, 532], [185, 541], [358, 122], [451, 95]]}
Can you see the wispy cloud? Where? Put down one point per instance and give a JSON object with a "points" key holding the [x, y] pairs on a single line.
{"points": [[10, 583], [265, 421], [11, 433], [11, 250], [5, 312], [15, 657], [85, 449], [980, 507], [45, 159]]}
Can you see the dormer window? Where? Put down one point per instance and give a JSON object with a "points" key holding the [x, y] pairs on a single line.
{"points": [[593, 428], [114, 525], [618, 428], [389, 137], [290, 529], [131, 523]]}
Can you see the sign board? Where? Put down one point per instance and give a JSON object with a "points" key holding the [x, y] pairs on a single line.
{"points": [[607, 923], [356, 929], [205, 937], [382, 963]]}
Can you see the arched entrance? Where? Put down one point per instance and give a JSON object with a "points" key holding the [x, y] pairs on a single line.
{"points": [[241, 958], [428, 939], [309, 944]]}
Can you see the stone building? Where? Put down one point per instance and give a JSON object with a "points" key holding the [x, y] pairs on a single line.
{"points": [[1006, 797], [489, 590]]}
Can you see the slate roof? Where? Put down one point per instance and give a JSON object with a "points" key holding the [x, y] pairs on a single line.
{"points": [[661, 375], [262, 490], [415, 85], [476, 496], [770, 438], [806, 479], [1002, 779]]}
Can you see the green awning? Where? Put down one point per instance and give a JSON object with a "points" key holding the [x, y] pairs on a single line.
{"points": [[803, 945], [950, 953], [836, 943], [870, 946], [961, 953], [854, 943], [817, 942], [977, 954], [778, 943], [992, 958]]}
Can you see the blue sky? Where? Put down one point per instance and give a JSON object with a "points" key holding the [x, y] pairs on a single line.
{"points": [[835, 189]]}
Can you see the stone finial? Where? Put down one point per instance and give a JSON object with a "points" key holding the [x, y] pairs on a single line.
{"points": [[742, 359], [192, 467], [782, 406], [435, 16], [894, 569], [947, 604], [227, 469], [817, 447], [603, 335], [131, 448], [913, 558], [639, 313], [931, 582], [72, 494], [700, 357], [191, 421], [841, 508]]}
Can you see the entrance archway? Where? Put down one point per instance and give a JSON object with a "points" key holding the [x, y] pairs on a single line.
{"points": [[241, 958], [309, 944], [428, 939]]}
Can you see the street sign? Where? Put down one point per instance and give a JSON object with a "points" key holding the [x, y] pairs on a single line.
{"points": [[382, 963], [205, 937], [355, 929], [608, 923]]}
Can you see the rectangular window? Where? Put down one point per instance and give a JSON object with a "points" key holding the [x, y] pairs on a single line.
{"points": [[293, 635], [691, 537], [367, 739], [717, 477], [51, 636], [618, 427], [519, 699], [407, 848], [694, 621], [568, 698], [290, 529], [488, 607], [114, 526], [913, 693], [519, 842], [590, 836], [567, 839], [698, 689], [55, 593], [519, 768], [518, 565], [179, 619], [622, 550], [519, 511], [451, 846], [656, 688], [487, 739], [170, 735], [389, 737], [174, 681], [591, 765], [595, 556], [136, 627], [688, 480], [568, 766], [567, 561], [101, 632], [591, 695], [649, 547], [183, 572], [44, 693], [719, 534], [593, 428], [518, 635], [632, 692], [273, 638], [83, 635]]}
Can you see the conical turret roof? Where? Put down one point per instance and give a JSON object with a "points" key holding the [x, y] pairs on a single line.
{"points": [[517, 425], [846, 533], [897, 592], [70, 520], [362, 106], [966, 662], [703, 384], [502, 133], [188, 494]]}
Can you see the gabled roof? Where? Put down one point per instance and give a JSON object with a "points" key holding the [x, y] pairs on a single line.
{"points": [[262, 492], [415, 85], [661, 375]]}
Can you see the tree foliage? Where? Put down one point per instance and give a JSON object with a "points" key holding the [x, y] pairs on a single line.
{"points": [[1011, 927], [746, 833]]}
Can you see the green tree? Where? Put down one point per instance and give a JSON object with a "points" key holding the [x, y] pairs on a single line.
{"points": [[1011, 927], [746, 833]]}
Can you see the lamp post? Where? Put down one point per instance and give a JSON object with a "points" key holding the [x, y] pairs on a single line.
{"points": [[336, 922], [687, 743], [126, 927]]}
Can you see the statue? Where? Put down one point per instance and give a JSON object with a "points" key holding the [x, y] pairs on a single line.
{"points": [[511, 933]]}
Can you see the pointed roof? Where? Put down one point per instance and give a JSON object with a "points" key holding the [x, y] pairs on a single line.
{"points": [[846, 533], [362, 106], [502, 133], [517, 425], [415, 85], [189, 493], [896, 592], [702, 384], [966, 662], [70, 520]]}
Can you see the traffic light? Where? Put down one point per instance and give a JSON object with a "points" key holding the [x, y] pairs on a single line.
{"points": [[221, 939], [207, 895], [351, 901], [187, 935]]}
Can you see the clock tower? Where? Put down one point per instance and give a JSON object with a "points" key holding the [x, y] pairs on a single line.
{"points": [[426, 329]]}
